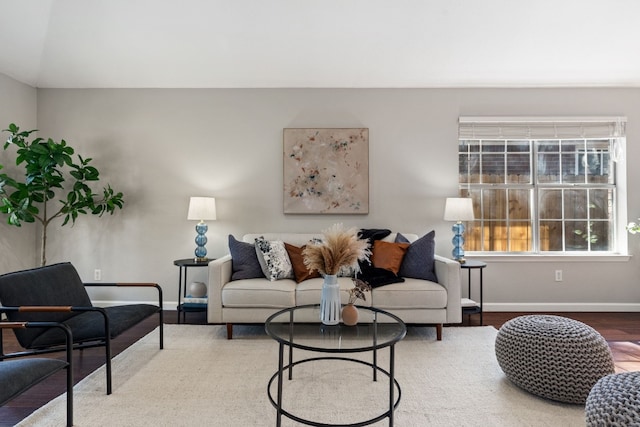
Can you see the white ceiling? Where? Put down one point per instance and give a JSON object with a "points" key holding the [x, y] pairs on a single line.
{"points": [[320, 43]]}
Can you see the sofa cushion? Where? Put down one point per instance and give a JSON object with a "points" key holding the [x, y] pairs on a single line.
{"points": [[244, 261], [388, 255], [259, 293], [273, 259], [300, 271], [419, 261], [413, 293], [21, 374]]}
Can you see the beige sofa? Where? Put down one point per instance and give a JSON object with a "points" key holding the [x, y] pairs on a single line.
{"points": [[252, 301]]}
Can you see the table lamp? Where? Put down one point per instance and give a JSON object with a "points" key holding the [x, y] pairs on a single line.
{"points": [[458, 209], [201, 209]]}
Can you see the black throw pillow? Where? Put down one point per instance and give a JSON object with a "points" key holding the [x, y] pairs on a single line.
{"points": [[376, 277], [371, 235]]}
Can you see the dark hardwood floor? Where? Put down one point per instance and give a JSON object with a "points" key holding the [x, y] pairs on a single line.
{"points": [[621, 330]]}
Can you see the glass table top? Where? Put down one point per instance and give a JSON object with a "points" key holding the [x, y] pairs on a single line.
{"points": [[300, 327]]}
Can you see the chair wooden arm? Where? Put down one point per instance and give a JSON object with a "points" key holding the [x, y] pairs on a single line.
{"points": [[12, 325], [34, 324], [45, 309], [49, 309]]}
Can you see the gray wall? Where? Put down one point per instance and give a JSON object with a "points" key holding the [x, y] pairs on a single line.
{"points": [[17, 105], [161, 146]]}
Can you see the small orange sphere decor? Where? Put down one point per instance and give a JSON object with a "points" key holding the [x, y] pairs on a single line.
{"points": [[350, 315]]}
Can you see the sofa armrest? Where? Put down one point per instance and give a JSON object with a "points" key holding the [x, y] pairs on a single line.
{"points": [[219, 275], [448, 273]]}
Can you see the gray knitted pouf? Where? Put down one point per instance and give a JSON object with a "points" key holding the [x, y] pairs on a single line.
{"points": [[553, 357], [615, 401]]}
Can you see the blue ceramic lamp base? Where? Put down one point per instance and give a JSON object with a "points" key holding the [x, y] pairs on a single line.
{"points": [[201, 241], [458, 242]]}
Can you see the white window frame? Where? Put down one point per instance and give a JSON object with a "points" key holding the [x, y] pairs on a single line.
{"points": [[548, 128]]}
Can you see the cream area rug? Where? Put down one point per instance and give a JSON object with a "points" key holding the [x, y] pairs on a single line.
{"points": [[201, 378]]}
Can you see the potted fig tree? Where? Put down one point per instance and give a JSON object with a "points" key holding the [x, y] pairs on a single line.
{"points": [[51, 185]]}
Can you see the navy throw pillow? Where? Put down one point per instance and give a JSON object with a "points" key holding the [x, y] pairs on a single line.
{"points": [[244, 260], [419, 261]]}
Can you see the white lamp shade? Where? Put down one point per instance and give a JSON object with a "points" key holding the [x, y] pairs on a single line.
{"points": [[202, 208], [458, 209]]}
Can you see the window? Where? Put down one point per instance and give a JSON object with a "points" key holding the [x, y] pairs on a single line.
{"points": [[542, 185]]}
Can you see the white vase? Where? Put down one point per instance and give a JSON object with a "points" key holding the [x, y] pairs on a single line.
{"points": [[330, 300]]}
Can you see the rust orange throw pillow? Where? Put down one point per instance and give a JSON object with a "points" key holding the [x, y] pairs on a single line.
{"points": [[300, 271], [388, 255]]}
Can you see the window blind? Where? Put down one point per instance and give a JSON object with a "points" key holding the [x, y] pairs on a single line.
{"points": [[541, 127]]}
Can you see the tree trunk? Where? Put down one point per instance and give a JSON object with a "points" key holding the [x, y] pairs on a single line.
{"points": [[43, 246], [43, 239]]}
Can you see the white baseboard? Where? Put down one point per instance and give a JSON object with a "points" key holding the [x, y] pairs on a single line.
{"points": [[562, 307]]}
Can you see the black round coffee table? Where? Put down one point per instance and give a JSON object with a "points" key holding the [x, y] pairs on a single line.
{"points": [[299, 327]]}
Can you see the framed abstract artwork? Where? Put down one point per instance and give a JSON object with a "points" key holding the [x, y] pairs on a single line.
{"points": [[326, 171]]}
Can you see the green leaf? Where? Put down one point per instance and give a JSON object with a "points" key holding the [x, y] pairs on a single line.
{"points": [[91, 173], [59, 159], [14, 220], [43, 162], [72, 197], [39, 148]]}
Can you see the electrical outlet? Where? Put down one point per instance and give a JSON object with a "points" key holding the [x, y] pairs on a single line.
{"points": [[558, 275], [97, 274]]}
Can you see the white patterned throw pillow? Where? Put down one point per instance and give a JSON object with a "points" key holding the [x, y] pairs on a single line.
{"points": [[274, 259]]}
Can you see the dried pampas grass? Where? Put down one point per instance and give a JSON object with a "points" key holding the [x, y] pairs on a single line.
{"points": [[339, 248]]}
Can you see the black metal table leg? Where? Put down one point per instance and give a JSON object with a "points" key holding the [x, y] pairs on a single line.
{"points": [[392, 373], [279, 398]]}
